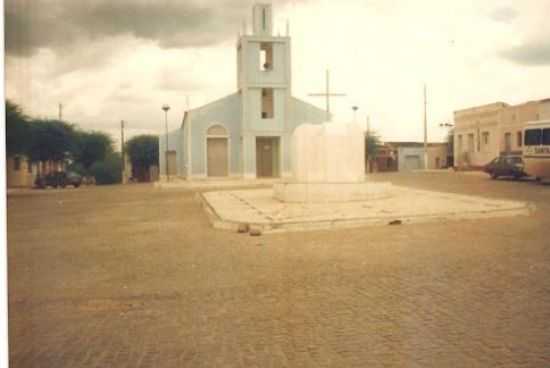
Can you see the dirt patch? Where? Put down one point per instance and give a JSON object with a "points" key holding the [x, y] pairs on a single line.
{"points": [[103, 305]]}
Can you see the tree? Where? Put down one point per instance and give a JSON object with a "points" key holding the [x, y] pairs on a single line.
{"points": [[92, 147], [51, 140], [18, 130], [372, 142], [143, 151], [109, 170]]}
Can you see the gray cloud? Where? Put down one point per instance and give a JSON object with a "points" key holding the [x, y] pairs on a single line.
{"points": [[178, 82], [504, 14], [34, 24], [529, 54]]}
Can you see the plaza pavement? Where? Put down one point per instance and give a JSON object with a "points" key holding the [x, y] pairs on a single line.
{"points": [[134, 276]]}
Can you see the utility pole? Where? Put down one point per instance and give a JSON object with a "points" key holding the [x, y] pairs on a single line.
{"points": [[425, 129], [327, 94], [60, 111], [122, 152], [166, 108]]}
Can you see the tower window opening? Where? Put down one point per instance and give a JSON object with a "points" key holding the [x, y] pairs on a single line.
{"points": [[266, 56], [267, 103]]}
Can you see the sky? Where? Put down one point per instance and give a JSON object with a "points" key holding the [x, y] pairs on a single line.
{"points": [[108, 61]]}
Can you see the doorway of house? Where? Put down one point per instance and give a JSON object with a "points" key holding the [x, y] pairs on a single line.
{"points": [[267, 157], [412, 162], [217, 157]]}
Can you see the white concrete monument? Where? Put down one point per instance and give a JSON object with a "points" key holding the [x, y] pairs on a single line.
{"points": [[328, 165]]}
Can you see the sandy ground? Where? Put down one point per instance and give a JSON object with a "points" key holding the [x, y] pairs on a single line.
{"points": [[133, 276]]}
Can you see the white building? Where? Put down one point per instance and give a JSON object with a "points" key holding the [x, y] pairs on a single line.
{"points": [[247, 133]]}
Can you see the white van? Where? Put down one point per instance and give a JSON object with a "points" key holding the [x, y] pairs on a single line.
{"points": [[536, 149]]}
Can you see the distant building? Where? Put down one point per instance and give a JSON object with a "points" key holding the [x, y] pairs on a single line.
{"points": [[246, 134], [484, 132], [385, 160], [19, 172], [410, 155]]}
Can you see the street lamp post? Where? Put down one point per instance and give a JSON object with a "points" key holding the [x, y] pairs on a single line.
{"points": [[166, 108], [122, 152], [425, 129]]}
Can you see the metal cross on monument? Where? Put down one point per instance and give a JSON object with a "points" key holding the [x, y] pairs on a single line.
{"points": [[327, 94]]}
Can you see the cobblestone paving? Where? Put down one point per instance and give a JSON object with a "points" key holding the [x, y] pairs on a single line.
{"points": [[135, 277]]}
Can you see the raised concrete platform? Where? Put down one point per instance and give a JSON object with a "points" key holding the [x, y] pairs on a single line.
{"points": [[258, 207], [214, 183], [293, 192]]}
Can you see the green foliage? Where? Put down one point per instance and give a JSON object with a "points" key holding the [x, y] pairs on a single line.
{"points": [[372, 140], [92, 147], [18, 130], [143, 151], [51, 140], [108, 171], [78, 168], [44, 140]]}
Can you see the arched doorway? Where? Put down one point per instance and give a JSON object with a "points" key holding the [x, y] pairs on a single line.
{"points": [[217, 151]]}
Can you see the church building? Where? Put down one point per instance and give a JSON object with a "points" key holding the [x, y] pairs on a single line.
{"points": [[246, 134]]}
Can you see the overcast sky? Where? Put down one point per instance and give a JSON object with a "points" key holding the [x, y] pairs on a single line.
{"points": [[110, 60]]}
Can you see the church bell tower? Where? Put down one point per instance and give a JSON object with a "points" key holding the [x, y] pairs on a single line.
{"points": [[264, 75]]}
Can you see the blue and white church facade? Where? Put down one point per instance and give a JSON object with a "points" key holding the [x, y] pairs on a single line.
{"points": [[246, 134]]}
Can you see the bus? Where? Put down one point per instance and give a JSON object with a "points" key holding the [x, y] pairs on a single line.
{"points": [[536, 149]]}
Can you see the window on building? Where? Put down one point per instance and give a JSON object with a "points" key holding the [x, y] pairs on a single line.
{"points": [[17, 163], [267, 103], [519, 137], [546, 137], [533, 137], [471, 142], [266, 56], [485, 137], [460, 143], [507, 142]]}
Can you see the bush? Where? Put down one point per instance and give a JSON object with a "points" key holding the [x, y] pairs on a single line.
{"points": [[78, 168], [108, 171]]}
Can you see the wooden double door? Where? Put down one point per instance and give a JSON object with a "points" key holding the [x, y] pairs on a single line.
{"points": [[217, 157], [267, 157]]}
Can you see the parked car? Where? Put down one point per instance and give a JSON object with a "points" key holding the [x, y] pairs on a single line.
{"points": [[506, 166], [58, 179]]}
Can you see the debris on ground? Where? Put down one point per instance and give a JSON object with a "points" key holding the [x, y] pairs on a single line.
{"points": [[255, 231], [243, 228]]}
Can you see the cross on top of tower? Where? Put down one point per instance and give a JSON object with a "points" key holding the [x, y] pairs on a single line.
{"points": [[262, 20]]}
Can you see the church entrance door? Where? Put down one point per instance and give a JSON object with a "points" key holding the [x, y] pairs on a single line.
{"points": [[217, 157], [267, 157]]}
